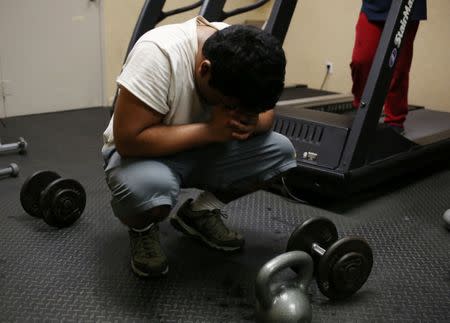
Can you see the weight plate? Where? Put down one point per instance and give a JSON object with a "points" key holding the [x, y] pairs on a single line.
{"points": [[32, 188], [22, 146], [63, 202], [315, 230], [344, 268]]}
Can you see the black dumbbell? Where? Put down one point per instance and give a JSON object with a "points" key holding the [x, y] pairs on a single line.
{"points": [[60, 202], [341, 267], [12, 170], [20, 146]]}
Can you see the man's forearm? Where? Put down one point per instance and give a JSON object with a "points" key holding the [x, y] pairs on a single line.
{"points": [[161, 140], [265, 121]]}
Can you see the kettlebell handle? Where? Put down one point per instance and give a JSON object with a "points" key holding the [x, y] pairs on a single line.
{"points": [[295, 258]]}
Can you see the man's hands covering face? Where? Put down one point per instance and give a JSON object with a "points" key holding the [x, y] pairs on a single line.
{"points": [[243, 124], [226, 124]]}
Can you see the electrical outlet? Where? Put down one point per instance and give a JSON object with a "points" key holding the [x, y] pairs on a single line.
{"points": [[329, 67]]}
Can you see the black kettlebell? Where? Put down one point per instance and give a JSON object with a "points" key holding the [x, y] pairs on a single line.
{"points": [[286, 301], [446, 218]]}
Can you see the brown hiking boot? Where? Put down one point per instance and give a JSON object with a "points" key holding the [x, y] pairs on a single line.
{"points": [[208, 226], [147, 257]]}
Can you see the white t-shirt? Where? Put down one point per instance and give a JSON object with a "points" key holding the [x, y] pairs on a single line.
{"points": [[159, 70]]}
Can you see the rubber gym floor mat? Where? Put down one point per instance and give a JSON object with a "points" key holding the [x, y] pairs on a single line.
{"points": [[82, 273]]}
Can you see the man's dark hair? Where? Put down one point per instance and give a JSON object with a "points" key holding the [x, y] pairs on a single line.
{"points": [[248, 64]]}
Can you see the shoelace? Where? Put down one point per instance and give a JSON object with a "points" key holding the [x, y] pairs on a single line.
{"points": [[217, 226], [220, 213], [147, 244]]}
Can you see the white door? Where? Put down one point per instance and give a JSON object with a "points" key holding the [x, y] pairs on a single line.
{"points": [[51, 55]]}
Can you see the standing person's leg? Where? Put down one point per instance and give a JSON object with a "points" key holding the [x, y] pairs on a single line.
{"points": [[229, 171], [367, 36], [396, 105]]}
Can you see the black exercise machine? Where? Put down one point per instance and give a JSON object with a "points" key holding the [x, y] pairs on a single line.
{"points": [[151, 14], [213, 10], [277, 23], [339, 154]]}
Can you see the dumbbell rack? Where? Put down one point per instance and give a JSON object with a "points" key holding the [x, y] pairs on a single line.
{"points": [[21, 148]]}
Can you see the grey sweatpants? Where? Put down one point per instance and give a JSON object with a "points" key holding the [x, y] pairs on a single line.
{"points": [[140, 184]]}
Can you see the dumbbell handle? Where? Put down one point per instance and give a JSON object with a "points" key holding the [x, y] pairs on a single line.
{"points": [[12, 170], [21, 146], [318, 249]]}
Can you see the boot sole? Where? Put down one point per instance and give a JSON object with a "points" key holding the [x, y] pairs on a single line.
{"points": [[181, 226], [144, 274]]}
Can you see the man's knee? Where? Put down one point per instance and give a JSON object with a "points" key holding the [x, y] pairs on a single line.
{"points": [[284, 146], [136, 192]]}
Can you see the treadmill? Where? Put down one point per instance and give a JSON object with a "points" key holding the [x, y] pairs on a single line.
{"points": [[277, 23], [151, 14], [340, 154]]}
